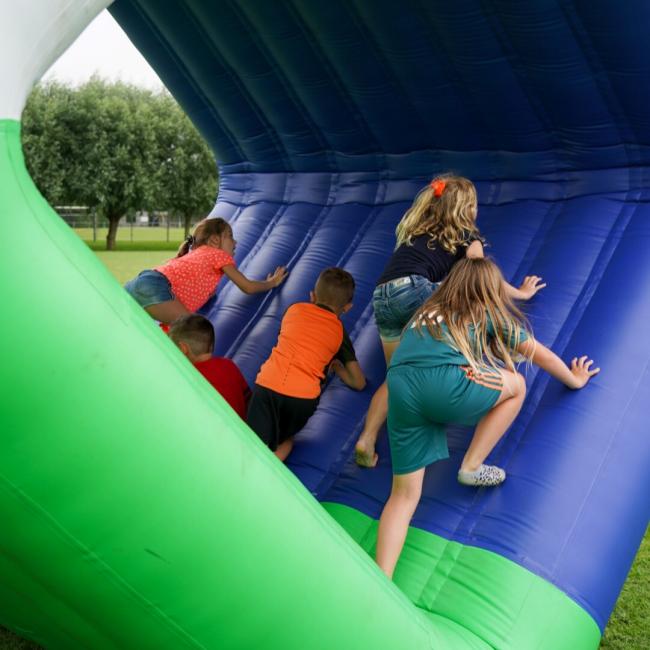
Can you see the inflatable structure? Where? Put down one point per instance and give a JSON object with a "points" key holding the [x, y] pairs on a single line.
{"points": [[141, 513]]}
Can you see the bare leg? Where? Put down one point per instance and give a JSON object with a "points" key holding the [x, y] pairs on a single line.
{"points": [[396, 517], [494, 424], [284, 449], [167, 312], [365, 448]]}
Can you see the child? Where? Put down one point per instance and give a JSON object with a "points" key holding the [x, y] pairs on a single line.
{"points": [[312, 338], [194, 335], [437, 231], [183, 284], [455, 365]]}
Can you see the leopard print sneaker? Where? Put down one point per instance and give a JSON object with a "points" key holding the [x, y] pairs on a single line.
{"points": [[484, 476]]}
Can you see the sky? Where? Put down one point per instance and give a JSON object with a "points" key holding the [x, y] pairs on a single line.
{"points": [[103, 48]]}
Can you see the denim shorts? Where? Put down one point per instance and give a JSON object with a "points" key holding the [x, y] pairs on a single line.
{"points": [[150, 288], [396, 301]]}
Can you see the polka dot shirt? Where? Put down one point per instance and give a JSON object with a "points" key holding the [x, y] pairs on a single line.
{"points": [[195, 276]]}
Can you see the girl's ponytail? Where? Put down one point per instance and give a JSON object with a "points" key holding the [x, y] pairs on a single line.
{"points": [[202, 233], [186, 246]]}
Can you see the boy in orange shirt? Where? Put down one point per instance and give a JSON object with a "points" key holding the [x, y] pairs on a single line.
{"points": [[312, 339]]}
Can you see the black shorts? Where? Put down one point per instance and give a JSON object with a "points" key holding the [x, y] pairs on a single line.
{"points": [[275, 417]]}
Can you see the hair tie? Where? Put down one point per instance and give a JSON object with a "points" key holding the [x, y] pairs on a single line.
{"points": [[189, 239], [438, 188]]}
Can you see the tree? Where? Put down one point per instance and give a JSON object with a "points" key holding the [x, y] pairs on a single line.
{"points": [[186, 179], [47, 142], [90, 146], [116, 149]]}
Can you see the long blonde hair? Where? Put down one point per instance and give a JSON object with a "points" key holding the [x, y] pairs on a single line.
{"points": [[471, 296], [445, 210]]}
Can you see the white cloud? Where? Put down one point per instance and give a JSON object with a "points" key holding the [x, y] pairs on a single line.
{"points": [[104, 49]]}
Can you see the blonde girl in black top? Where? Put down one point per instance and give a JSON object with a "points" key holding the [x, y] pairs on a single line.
{"points": [[438, 230]]}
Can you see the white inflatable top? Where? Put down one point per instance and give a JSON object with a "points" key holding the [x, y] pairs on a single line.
{"points": [[33, 35]]}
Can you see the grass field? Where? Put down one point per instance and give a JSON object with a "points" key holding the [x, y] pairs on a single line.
{"points": [[135, 239], [629, 627], [136, 234], [125, 265]]}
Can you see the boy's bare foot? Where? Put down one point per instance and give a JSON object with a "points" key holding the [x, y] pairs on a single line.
{"points": [[364, 454]]}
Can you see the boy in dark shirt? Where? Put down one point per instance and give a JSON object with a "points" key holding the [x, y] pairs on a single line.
{"points": [[312, 339], [194, 335]]}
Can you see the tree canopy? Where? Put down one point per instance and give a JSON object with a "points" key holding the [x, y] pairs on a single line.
{"points": [[116, 149]]}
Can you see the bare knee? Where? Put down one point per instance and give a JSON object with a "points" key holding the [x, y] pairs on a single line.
{"points": [[406, 492], [514, 385], [167, 312], [520, 385], [284, 449]]}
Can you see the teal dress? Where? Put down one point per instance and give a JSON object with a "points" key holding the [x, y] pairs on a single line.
{"points": [[430, 384]]}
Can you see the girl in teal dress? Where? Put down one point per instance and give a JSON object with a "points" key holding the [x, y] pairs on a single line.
{"points": [[456, 364]]}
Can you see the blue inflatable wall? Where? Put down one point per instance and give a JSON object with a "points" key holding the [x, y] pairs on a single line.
{"points": [[327, 117]]}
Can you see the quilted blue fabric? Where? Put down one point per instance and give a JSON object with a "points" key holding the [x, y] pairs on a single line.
{"points": [[327, 117]]}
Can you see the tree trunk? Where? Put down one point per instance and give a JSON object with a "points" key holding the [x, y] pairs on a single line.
{"points": [[113, 222]]}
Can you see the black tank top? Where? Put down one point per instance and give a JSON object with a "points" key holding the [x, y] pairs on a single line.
{"points": [[421, 258]]}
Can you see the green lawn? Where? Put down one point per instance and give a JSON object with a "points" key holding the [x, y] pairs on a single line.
{"points": [[9, 641], [136, 234], [135, 239], [125, 265], [629, 627]]}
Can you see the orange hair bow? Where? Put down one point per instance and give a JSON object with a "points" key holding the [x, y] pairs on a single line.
{"points": [[438, 188]]}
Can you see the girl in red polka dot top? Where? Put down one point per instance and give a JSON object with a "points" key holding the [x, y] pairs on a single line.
{"points": [[183, 284]]}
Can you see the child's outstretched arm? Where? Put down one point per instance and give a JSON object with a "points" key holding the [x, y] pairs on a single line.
{"points": [[574, 376], [349, 373], [274, 279], [529, 287]]}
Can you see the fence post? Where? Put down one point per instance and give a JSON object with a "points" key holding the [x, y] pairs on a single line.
{"points": [[94, 224], [168, 220]]}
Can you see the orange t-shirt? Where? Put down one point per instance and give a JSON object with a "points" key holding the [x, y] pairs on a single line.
{"points": [[195, 276], [310, 337]]}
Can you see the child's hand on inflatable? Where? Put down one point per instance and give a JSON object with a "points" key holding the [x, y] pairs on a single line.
{"points": [[335, 367], [278, 276], [530, 286], [581, 371]]}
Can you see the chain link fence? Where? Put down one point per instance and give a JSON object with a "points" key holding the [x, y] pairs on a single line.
{"points": [[143, 226]]}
